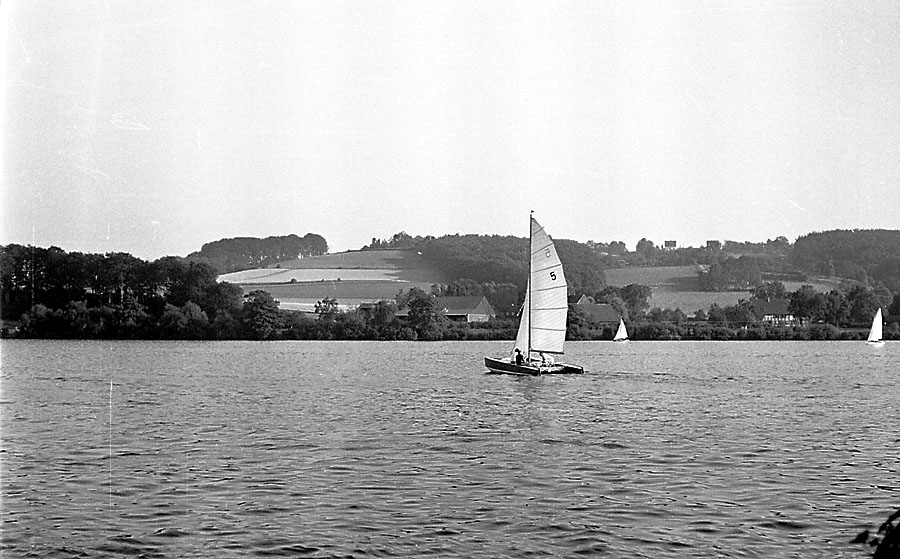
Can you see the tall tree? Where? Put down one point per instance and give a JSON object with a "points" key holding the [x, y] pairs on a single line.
{"points": [[806, 303], [424, 316], [261, 315], [770, 290]]}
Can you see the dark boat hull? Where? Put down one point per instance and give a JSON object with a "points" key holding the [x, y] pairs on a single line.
{"points": [[504, 367]]}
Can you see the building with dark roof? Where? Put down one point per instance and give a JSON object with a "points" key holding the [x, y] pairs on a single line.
{"points": [[599, 313], [775, 312], [462, 309]]}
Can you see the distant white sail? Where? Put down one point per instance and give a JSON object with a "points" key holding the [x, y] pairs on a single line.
{"points": [[875, 334], [621, 333]]}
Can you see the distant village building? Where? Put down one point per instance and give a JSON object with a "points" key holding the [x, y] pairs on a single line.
{"points": [[602, 314], [466, 309], [670, 245], [775, 312], [713, 245], [461, 309]]}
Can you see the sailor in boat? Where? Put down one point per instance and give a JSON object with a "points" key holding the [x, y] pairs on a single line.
{"points": [[546, 362], [520, 359]]}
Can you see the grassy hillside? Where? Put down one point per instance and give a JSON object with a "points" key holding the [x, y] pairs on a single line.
{"points": [[363, 260], [677, 287], [662, 278], [350, 277]]}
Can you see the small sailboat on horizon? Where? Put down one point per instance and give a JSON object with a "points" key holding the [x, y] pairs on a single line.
{"points": [[542, 327], [875, 332], [621, 333]]}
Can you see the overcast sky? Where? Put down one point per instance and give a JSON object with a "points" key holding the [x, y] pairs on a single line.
{"points": [[154, 127]]}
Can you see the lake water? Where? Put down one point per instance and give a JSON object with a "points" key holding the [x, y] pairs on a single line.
{"points": [[340, 449]]}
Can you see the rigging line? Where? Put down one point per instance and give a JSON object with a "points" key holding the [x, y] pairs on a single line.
{"points": [[550, 267], [543, 248], [552, 287]]}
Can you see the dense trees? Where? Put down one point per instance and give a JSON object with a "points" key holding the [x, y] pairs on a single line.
{"points": [[112, 296], [739, 273], [854, 307], [243, 253], [863, 255]]}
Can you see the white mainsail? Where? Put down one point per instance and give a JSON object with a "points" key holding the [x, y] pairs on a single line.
{"points": [[542, 327], [621, 333], [875, 333]]}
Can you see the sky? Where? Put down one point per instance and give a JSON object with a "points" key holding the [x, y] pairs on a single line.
{"points": [[155, 127]]}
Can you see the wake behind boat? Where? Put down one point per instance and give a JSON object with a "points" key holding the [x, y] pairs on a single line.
{"points": [[542, 327]]}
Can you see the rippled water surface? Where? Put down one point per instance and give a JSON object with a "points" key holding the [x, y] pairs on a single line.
{"points": [[337, 449]]}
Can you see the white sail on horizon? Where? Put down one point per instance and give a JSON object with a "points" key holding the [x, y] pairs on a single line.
{"points": [[875, 333], [621, 333]]}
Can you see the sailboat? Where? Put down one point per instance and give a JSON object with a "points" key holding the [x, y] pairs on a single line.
{"points": [[542, 327], [875, 332], [621, 333]]}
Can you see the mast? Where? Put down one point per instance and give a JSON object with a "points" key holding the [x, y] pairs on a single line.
{"points": [[528, 283]]}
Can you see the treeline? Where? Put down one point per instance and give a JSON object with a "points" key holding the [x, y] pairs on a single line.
{"points": [[869, 256], [75, 295], [839, 314], [244, 253], [615, 254], [495, 259], [853, 307]]}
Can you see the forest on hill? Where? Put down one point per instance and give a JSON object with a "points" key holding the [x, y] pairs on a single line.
{"points": [[244, 253], [865, 255]]}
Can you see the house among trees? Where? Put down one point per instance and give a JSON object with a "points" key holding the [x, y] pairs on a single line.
{"points": [[466, 309], [602, 314], [460, 309], [775, 312]]}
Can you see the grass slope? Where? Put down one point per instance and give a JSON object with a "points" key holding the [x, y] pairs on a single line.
{"points": [[677, 287], [350, 277]]}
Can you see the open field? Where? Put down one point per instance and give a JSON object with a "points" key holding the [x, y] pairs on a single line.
{"points": [[377, 266], [668, 278], [676, 287], [349, 277], [278, 275], [364, 260], [341, 290], [673, 287]]}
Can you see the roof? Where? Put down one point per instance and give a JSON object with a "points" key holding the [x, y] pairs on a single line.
{"points": [[458, 306], [598, 312], [462, 305]]}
